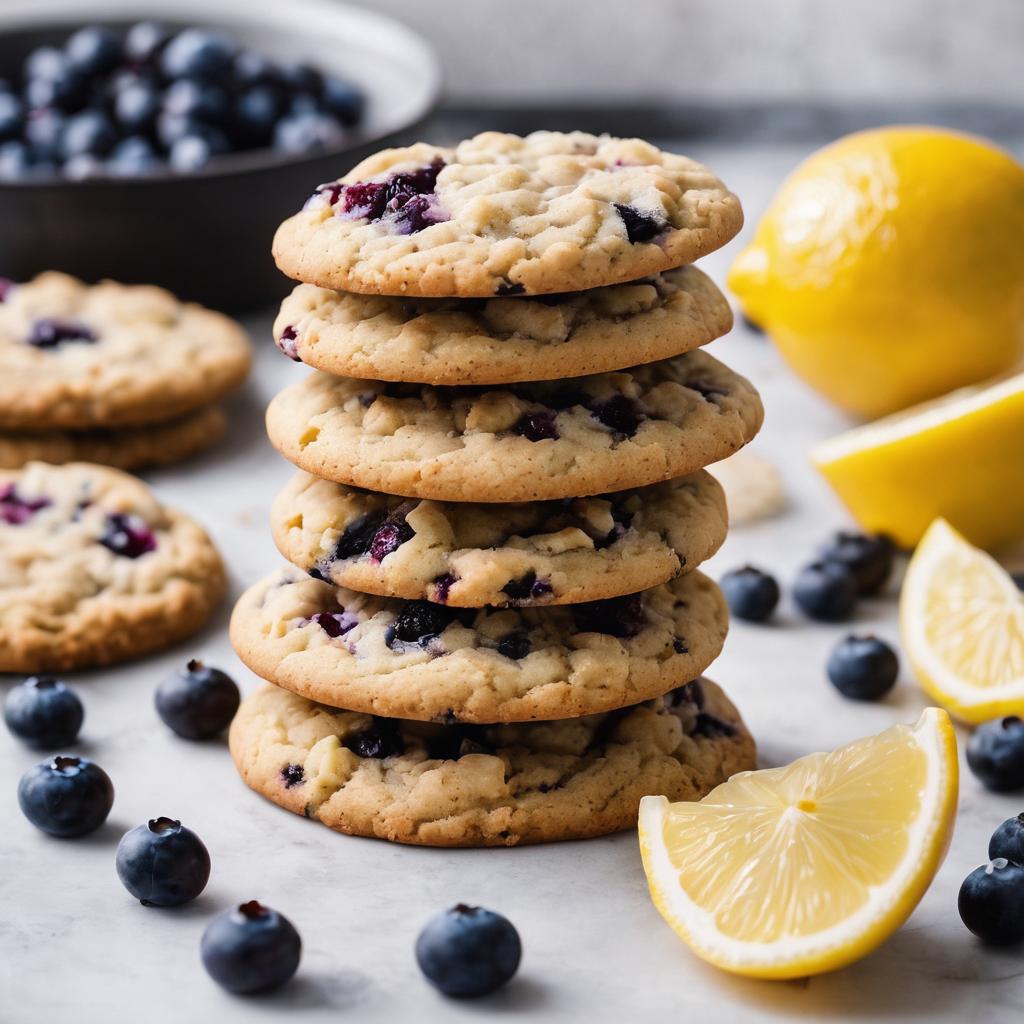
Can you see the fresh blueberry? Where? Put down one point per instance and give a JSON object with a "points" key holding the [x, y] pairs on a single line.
{"points": [[65, 91], [127, 535], [251, 949], [163, 864], [197, 53], [300, 77], [192, 98], [343, 100], [136, 106], [468, 951], [863, 667], [197, 702], [93, 50], [868, 557], [826, 591], [194, 151], [45, 62], [752, 594], [301, 133], [132, 156], [89, 133], [144, 41], [66, 796], [44, 712], [991, 902], [83, 166], [15, 161], [11, 114], [43, 132], [995, 753], [253, 68], [1008, 841], [256, 112]]}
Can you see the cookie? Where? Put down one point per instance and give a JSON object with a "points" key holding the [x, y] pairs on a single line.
{"points": [[444, 785], [504, 215], [500, 340], [414, 659], [533, 441], [471, 555], [77, 356], [155, 444], [94, 570]]}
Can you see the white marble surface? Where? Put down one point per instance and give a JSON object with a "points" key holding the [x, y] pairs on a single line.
{"points": [[73, 945]]}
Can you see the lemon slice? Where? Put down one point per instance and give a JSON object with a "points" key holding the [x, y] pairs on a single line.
{"points": [[793, 871], [962, 620], [960, 457]]}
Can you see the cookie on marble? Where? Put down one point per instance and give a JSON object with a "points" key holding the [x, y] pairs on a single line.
{"points": [[431, 662], [498, 340], [501, 785], [527, 442], [94, 570], [471, 555], [77, 356], [503, 215], [154, 444]]}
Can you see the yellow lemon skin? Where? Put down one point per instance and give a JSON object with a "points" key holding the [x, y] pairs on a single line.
{"points": [[960, 457], [889, 268]]}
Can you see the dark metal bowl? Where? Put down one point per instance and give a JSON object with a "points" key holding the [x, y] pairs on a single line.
{"points": [[206, 236]]}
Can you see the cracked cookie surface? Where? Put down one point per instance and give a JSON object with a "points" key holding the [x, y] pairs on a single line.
{"points": [[471, 555], [78, 356], [528, 442], [501, 785], [417, 660], [154, 444], [94, 570], [500, 214], [498, 340]]}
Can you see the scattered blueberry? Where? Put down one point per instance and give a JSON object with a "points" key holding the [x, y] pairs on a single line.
{"points": [[868, 557], [197, 702], [468, 951], [995, 753], [66, 796], [751, 594], [44, 712], [826, 591], [991, 902], [1008, 841], [163, 864], [251, 949], [127, 535], [863, 667]]}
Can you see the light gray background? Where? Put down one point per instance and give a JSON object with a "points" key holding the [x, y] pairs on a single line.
{"points": [[686, 51]]}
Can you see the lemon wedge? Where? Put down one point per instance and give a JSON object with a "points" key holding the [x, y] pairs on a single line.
{"points": [[798, 870], [960, 457], [962, 621]]}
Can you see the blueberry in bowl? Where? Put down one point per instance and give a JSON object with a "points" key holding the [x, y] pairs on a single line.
{"points": [[127, 146]]}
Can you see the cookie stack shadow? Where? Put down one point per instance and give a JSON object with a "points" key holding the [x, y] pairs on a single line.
{"points": [[493, 629]]}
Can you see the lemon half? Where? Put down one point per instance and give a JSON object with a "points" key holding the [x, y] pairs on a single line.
{"points": [[960, 457], [962, 623], [794, 871]]}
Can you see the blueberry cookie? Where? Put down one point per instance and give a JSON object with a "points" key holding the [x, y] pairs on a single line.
{"points": [[498, 340], [415, 659], [501, 785], [527, 442], [471, 555], [154, 444], [94, 570], [504, 215], [75, 356]]}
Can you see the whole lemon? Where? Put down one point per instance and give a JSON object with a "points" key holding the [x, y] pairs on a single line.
{"points": [[889, 267]]}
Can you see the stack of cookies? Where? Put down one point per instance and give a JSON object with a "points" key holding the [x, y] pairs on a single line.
{"points": [[124, 375], [493, 628]]}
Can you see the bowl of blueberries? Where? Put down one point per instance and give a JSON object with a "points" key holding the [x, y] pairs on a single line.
{"points": [[164, 142]]}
